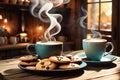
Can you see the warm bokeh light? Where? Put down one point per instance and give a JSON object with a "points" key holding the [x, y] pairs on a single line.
{"points": [[27, 1], [23, 28], [89, 36], [1, 17], [8, 29], [5, 20], [40, 28], [23, 34], [3, 26]]}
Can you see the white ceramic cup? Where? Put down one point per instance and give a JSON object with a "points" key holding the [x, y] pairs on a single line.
{"points": [[13, 40], [2, 40]]}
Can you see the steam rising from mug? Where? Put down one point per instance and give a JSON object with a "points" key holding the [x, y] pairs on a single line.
{"points": [[83, 24], [41, 9]]}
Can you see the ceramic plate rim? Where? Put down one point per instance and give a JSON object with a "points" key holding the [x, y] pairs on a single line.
{"points": [[88, 61], [82, 65]]}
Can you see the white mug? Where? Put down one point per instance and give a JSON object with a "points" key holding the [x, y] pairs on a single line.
{"points": [[13, 40], [2, 40]]}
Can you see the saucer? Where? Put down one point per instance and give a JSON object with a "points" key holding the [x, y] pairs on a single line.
{"points": [[55, 71], [105, 59]]}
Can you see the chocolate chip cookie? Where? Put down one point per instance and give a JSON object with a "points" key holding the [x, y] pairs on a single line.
{"points": [[28, 58], [59, 59], [45, 64]]}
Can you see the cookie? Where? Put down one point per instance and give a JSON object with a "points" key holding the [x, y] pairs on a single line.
{"points": [[59, 59], [69, 66], [28, 58], [30, 67], [27, 63], [45, 64], [75, 60], [69, 56]]}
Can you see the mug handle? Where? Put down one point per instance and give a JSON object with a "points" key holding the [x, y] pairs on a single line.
{"points": [[28, 50], [17, 39], [108, 44]]}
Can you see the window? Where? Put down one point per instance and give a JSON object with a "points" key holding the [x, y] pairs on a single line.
{"points": [[100, 16]]}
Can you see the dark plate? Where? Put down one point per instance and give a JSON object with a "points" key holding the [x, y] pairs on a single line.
{"points": [[55, 72], [105, 59]]}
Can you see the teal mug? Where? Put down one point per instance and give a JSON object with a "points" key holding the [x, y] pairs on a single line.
{"points": [[95, 49], [46, 49]]}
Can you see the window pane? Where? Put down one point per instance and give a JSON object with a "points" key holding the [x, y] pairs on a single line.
{"points": [[93, 0], [105, 0], [106, 16], [93, 16]]}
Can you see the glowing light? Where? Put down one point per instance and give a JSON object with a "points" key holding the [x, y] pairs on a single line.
{"points": [[27, 1], [23, 28], [40, 28], [108, 13], [23, 34], [89, 36], [8, 29], [3, 26], [5, 20], [1, 17]]}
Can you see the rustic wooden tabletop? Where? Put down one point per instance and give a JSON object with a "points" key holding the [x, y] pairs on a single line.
{"points": [[111, 71]]}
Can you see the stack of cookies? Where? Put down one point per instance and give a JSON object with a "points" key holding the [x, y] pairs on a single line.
{"points": [[51, 63], [65, 62], [28, 61]]}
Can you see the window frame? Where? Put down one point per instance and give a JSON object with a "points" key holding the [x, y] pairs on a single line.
{"points": [[105, 34]]}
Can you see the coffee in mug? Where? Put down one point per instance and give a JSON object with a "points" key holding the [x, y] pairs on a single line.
{"points": [[46, 49], [95, 49]]}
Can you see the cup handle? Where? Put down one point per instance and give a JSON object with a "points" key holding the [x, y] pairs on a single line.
{"points": [[28, 50], [108, 44], [17, 39]]}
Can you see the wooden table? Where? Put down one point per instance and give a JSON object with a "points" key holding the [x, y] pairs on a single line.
{"points": [[10, 71]]}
